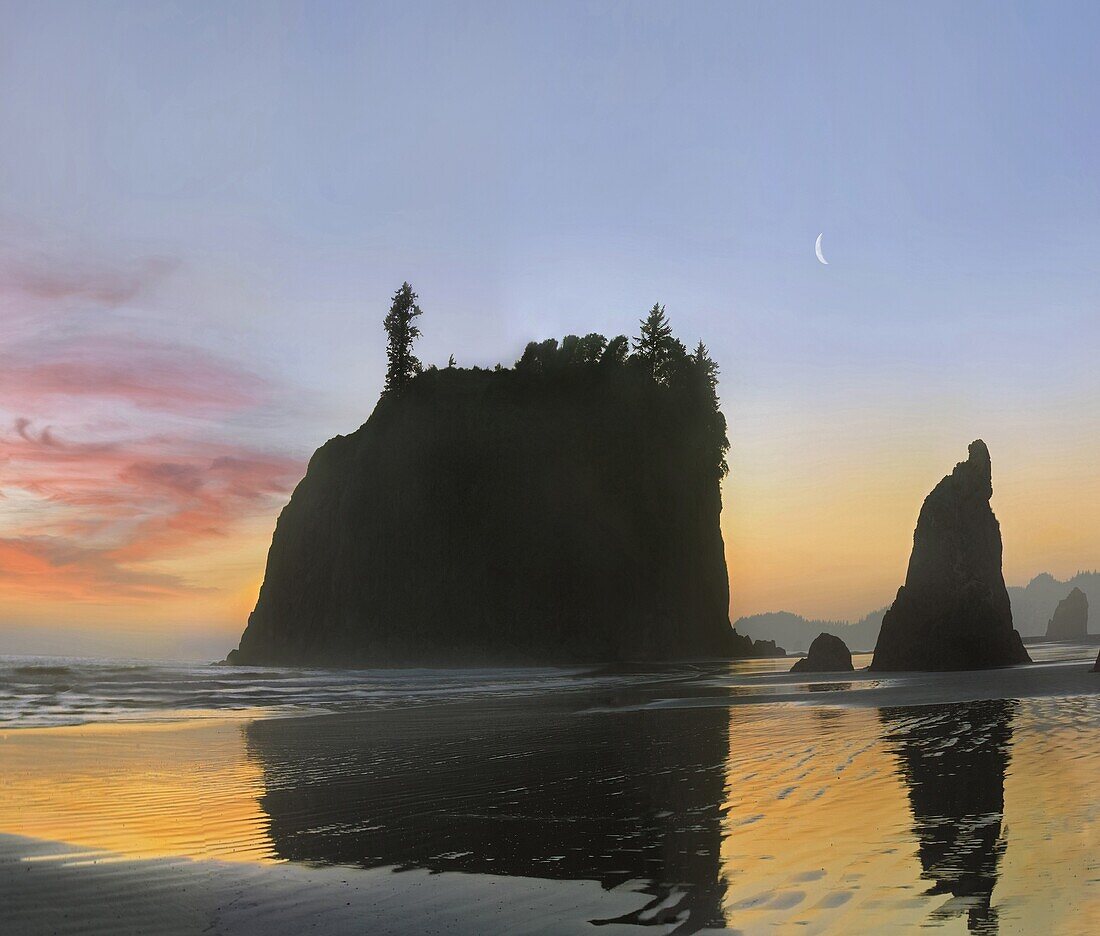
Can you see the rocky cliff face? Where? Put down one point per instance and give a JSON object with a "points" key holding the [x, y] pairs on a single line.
{"points": [[504, 517], [953, 611], [1071, 617]]}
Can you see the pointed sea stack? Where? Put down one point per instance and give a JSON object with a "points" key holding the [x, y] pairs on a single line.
{"points": [[953, 611], [1071, 617]]}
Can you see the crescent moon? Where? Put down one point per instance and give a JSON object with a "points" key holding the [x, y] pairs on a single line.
{"points": [[817, 249]]}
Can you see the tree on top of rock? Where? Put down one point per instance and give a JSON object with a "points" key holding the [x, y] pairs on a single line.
{"points": [[655, 347], [708, 370], [401, 332], [703, 376]]}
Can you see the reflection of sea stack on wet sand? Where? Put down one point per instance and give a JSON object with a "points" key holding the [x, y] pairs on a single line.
{"points": [[953, 759], [953, 611]]}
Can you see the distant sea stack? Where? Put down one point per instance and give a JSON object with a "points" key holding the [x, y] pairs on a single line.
{"points": [[1071, 617], [953, 611], [1033, 605], [766, 648], [565, 510], [828, 654]]}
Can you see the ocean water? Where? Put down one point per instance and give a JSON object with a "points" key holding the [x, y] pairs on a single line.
{"points": [[710, 797], [40, 692]]}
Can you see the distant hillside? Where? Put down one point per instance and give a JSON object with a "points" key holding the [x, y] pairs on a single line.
{"points": [[1033, 605], [795, 632]]}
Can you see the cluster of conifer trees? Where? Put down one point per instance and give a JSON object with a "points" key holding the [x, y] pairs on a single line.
{"points": [[655, 355]]}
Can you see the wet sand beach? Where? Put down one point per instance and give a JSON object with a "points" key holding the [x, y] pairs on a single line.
{"points": [[716, 797]]}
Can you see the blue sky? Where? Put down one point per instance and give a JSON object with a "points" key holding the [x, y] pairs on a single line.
{"points": [[267, 174]]}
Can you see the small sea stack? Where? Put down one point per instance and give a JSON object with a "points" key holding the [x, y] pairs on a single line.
{"points": [[828, 654], [1071, 617], [767, 648], [953, 611]]}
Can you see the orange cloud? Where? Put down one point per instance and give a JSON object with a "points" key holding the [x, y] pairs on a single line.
{"points": [[104, 511], [60, 569]]}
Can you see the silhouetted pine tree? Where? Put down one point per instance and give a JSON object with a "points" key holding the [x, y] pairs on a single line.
{"points": [[401, 332], [705, 374], [708, 370], [655, 347]]}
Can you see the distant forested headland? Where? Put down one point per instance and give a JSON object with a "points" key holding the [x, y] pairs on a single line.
{"points": [[565, 509]]}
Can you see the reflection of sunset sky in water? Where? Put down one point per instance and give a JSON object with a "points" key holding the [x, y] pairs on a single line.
{"points": [[846, 819], [140, 791]]}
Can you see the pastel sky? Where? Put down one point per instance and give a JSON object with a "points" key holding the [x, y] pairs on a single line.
{"points": [[204, 208]]}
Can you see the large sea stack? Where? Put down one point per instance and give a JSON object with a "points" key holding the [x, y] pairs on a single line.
{"points": [[1071, 618], [953, 612], [565, 510]]}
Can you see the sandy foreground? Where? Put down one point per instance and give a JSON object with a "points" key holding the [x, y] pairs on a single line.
{"points": [[693, 803], [49, 889]]}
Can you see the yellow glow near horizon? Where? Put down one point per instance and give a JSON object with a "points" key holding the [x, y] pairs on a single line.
{"points": [[818, 519], [824, 526]]}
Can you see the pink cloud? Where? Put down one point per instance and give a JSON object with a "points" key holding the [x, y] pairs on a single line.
{"points": [[51, 279], [133, 501], [46, 440], [179, 477], [144, 374], [116, 448]]}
